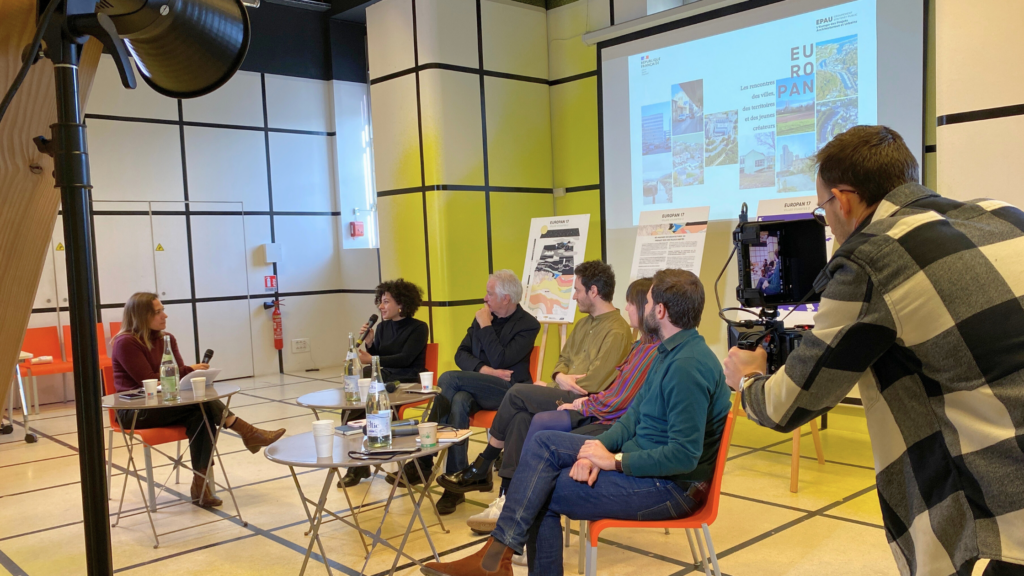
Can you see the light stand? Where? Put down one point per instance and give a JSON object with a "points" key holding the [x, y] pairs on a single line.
{"points": [[184, 48]]}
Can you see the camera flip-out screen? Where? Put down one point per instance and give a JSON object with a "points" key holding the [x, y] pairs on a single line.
{"points": [[779, 261]]}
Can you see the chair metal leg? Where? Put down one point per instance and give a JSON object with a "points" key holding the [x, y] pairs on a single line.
{"points": [[584, 537], [703, 557], [110, 459], [177, 465], [693, 550], [711, 550], [591, 567], [794, 463], [568, 530], [147, 454]]}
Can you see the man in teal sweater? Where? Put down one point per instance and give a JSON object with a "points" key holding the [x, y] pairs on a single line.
{"points": [[655, 463]]}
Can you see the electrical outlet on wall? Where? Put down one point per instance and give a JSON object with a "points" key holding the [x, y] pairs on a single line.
{"points": [[300, 345]]}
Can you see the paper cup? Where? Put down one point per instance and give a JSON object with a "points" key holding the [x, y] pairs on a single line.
{"points": [[323, 427], [199, 386], [324, 446], [426, 381], [364, 389], [428, 434], [150, 386]]}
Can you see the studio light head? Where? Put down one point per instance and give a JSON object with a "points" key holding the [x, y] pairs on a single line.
{"points": [[182, 48]]}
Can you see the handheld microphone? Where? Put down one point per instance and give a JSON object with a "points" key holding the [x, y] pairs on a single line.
{"points": [[207, 356], [371, 322]]}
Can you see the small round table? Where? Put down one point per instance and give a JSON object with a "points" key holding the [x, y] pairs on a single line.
{"points": [[217, 391], [334, 399], [299, 451]]}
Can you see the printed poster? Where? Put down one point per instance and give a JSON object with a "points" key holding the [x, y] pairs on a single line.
{"points": [[669, 239], [556, 246]]}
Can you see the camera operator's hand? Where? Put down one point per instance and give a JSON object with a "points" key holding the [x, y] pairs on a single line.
{"points": [[739, 363]]}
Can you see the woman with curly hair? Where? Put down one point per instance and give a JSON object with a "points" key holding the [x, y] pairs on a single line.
{"points": [[399, 340]]}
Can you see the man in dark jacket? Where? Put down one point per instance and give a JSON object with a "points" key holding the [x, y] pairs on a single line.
{"points": [[494, 355]]}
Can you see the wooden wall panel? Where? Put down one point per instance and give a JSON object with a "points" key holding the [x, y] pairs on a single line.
{"points": [[28, 202]]}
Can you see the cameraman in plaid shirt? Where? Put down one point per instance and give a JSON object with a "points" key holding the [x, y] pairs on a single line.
{"points": [[924, 313]]}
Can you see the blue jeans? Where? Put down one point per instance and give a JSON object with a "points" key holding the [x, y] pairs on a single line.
{"points": [[543, 491], [467, 392]]}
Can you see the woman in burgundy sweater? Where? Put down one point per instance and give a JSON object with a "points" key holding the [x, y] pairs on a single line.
{"points": [[137, 352]]}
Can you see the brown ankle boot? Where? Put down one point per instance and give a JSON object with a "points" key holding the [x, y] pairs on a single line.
{"points": [[200, 497], [470, 565], [253, 437]]}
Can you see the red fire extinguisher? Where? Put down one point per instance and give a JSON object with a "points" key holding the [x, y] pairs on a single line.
{"points": [[278, 329]]}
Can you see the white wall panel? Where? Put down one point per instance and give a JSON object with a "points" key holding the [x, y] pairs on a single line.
{"points": [[257, 232], [389, 37], [179, 323], [263, 352], [446, 32], [299, 103], [302, 171], [60, 266], [326, 320], [227, 165], [109, 97], [359, 269], [224, 327], [125, 257], [311, 249], [172, 273], [134, 161], [239, 103], [219, 256], [354, 156]]}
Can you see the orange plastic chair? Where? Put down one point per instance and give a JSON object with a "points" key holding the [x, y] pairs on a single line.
{"points": [[43, 342], [431, 366], [535, 363], [700, 520], [484, 418], [101, 345], [149, 437]]}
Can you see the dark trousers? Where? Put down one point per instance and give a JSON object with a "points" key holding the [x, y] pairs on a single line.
{"points": [[543, 491], [512, 423], [191, 417], [463, 393]]}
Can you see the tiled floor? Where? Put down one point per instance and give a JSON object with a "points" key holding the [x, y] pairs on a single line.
{"points": [[832, 526]]}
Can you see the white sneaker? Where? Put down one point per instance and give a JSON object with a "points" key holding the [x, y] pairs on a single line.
{"points": [[519, 559], [484, 522]]}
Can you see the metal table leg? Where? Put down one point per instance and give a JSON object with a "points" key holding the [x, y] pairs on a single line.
{"points": [[316, 519], [131, 467], [25, 407], [214, 436]]}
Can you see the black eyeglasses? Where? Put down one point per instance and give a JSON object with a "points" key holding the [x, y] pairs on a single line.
{"points": [[819, 212]]}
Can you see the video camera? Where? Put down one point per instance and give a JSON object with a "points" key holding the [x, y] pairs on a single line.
{"points": [[779, 261]]}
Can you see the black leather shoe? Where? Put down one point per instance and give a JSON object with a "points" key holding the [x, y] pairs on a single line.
{"points": [[353, 476], [448, 501], [411, 475], [476, 477]]}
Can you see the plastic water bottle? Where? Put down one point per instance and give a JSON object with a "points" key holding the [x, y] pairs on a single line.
{"points": [[378, 410], [168, 372]]}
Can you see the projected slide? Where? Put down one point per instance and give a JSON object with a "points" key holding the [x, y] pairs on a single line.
{"points": [[738, 117]]}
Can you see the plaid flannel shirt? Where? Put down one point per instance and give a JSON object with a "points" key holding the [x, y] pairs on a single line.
{"points": [[924, 312]]}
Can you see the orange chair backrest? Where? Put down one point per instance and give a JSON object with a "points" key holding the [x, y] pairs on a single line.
{"points": [[534, 363], [432, 360], [716, 480], [115, 327], [42, 342], [99, 340], [108, 389]]}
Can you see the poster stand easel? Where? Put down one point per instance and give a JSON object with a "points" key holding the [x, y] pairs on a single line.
{"points": [[544, 327]]}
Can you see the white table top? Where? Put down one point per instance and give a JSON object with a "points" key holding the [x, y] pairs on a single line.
{"points": [[185, 397], [300, 451], [334, 398]]}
